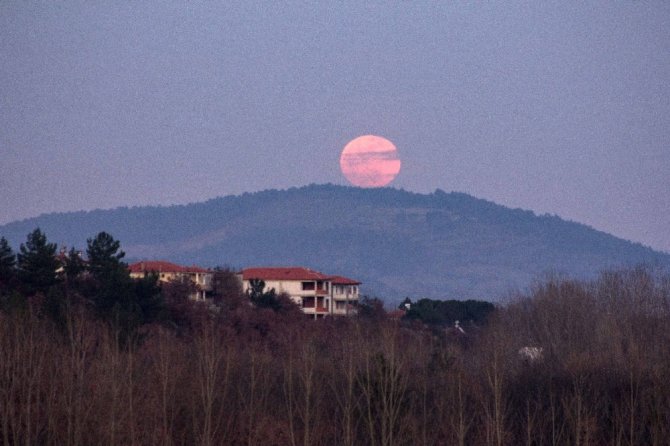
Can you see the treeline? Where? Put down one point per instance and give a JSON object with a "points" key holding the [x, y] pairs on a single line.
{"points": [[56, 282], [257, 375], [447, 312]]}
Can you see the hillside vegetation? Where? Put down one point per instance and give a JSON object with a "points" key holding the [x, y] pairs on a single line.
{"points": [[96, 358], [398, 243]]}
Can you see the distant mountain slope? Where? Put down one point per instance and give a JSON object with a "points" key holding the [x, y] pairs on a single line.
{"points": [[439, 245]]}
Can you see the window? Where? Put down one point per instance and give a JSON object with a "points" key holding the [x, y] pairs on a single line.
{"points": [[308, 286], [340, 305]]}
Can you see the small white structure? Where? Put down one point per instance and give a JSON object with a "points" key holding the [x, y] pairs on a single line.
{"points": [[316, 293], [531, 354]]}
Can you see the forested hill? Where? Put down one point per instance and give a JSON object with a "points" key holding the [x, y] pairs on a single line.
{"points": [[439, 245]]}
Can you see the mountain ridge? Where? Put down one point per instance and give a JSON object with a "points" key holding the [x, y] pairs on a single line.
{"points": [[399, 243]]}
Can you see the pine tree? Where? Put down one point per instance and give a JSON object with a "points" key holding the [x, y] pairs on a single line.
{"points": [[104, 255], [124, 302], [37, 263], [113, 291]]}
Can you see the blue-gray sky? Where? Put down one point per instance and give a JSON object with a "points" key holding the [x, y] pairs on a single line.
{"points": [[558, 107]]}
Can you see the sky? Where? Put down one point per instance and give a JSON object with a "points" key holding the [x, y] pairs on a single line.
{"points": [[557, 107]]}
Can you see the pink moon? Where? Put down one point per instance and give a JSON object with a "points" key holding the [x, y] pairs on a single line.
{"points": [[370, 161]]}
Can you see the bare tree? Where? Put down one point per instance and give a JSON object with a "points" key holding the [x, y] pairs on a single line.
{"points": [[384, 384], [213, 359]]}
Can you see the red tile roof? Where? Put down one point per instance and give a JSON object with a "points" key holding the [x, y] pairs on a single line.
{"points": [[160, 266], [290, 273], [293, 273], [340, 280]]}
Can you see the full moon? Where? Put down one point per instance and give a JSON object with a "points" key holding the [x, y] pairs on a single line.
{"points": [[370, 161]]}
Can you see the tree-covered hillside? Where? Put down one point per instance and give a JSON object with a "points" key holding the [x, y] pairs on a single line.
{"points": [[439, 245]]}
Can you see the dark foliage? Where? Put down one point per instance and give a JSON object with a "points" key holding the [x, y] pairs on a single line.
{"points": [[55, 284], [7, 265], [73, 266], [269, 299], [104, 255], [447, 312], [371, 308], [225, 283], [37, 264], [126, 303], [179, 310]]}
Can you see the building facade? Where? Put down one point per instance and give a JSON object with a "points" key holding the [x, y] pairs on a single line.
{"points": [[317, 294], [168, 272], [344, 295]]}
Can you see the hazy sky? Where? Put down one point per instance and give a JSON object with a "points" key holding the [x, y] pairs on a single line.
{"points": [[560, 108]]}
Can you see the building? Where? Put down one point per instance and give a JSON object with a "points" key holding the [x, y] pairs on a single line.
{"points": [[167, 272], [316, 293], [344, 295]]}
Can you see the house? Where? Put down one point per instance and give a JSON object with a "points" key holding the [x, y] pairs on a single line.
{"points": [[167, 272], [316, 293]]}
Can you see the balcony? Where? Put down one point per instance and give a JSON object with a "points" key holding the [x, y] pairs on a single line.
{"points": [[314, 305], [315, 310], [345, 297], [349, 310]]}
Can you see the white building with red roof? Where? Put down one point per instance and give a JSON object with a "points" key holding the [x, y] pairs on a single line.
{"points": [[167, 272], [316, 293]]}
